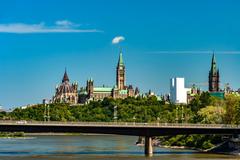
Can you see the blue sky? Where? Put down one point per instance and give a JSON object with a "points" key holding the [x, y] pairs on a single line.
{"points": [[163, 39]]}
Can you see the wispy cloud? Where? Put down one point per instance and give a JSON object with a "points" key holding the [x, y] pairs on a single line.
{"points": [[62, 26], [118, 39], [193, 52], [65, 23]]}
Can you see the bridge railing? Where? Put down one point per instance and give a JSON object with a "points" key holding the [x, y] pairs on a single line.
{"points": [[119, 124]]}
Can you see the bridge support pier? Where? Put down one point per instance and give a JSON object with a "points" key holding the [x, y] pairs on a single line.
{"points": [[148, 146]]}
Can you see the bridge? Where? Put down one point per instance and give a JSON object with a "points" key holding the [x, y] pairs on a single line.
{"points": [[147, 130]]}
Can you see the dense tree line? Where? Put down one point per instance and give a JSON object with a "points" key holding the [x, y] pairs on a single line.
{"points": [[129, 109], [202, 109]]}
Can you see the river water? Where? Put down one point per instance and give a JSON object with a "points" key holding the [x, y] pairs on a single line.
{"points": [[91, 147]]}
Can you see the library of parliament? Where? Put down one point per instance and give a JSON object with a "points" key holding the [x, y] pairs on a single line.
{"points": [[67, 92]]}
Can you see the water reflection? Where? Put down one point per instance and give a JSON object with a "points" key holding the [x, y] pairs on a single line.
{"points": [[90, 147]]}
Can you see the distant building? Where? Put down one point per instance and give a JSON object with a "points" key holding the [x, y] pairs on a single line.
{"points": [[46, 101], [27, 106], [120, 90], [66, 92], [166, 97], [137, 92], [69, 93], [178, 92], [227, 89], [214, 80], [213, 77], [150, 93], [97, 93], [193, 92]]}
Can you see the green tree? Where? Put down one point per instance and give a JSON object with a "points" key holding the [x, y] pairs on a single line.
{"points": [[232, 103], [212, 114]]}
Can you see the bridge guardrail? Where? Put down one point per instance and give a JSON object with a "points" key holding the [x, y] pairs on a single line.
{"points": [[119, 124]]}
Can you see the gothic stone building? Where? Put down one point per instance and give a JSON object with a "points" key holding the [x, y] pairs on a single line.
{"points": [[214, 80], [66, 92], [120, 90]]}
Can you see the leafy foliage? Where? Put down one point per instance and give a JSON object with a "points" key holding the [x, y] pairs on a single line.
{"points": [[202, 109]]}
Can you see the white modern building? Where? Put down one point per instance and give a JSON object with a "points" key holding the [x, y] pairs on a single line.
{"points": [[178, 92]]}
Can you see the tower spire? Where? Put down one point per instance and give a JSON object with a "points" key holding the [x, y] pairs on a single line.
{"points": [[120, 73], [65, 76], [213, 77], [214, 64], [120, 60]]}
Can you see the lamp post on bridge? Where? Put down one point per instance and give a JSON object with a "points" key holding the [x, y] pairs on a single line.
{"points": [[182, 113], [46, 115], [134, 119], [115, 113], [158, 119], [180, 116], [176, 118]]}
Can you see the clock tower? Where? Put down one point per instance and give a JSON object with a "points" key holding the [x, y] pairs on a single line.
{"points": [[120, 76], [213, 78]]}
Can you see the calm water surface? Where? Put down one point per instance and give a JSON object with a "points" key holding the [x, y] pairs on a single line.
{"points": [[91, 147]]}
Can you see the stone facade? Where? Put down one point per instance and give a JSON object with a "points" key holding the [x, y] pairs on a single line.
{"points": [[69, 93], [66, 92]]}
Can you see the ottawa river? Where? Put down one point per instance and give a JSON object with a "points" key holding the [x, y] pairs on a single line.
{"points": [[91, 147]]}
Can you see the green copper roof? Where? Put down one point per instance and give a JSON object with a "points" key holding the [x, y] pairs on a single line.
{"points": [[217, 94], [213, 58], [102, 89], [120, 60], [123, 91]]}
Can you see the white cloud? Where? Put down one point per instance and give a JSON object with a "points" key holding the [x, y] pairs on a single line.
{"points": [[118, 39], [64, 23], [63, 26]]}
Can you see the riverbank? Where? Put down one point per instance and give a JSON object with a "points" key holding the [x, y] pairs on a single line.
{"points": [[52, 134], [61, 134], [230, 146], [157, 143], [11, 134]]}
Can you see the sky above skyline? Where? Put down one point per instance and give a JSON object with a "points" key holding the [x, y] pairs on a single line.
{"points": [[160, 39]]}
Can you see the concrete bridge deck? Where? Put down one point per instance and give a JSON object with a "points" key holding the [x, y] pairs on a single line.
{"points": [[122, 128], [147, 130]]}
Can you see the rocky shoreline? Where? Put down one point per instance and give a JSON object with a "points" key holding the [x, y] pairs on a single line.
{"points": [[230, 146]]}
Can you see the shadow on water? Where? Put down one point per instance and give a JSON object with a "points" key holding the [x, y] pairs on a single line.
{"points": [[96, 153], [91, 147], [113, 155]]}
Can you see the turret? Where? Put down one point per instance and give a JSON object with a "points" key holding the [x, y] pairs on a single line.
{"points": [[90, 88]]}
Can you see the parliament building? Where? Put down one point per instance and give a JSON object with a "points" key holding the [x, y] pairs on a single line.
{"points": [[69, 93]]}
